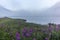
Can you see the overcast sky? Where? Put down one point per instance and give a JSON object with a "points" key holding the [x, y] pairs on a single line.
{"points": [[27, 4], [15, 5]]}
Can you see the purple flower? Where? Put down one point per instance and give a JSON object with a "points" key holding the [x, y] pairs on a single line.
{"points": [[46, 38], [31, 30], [50, 28], [17, 36], [57, 27], [26, 32], [28, 35], [34, 38]]}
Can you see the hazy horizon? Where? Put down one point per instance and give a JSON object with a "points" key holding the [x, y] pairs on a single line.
{"points": [[37, 11]]}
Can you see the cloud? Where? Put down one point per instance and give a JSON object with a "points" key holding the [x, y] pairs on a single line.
{"points": [[27, 4]]}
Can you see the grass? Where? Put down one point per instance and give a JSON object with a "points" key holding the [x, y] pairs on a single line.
{"points": [[9, 27]]}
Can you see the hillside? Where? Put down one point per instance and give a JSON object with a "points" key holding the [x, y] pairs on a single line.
{"points": [[9, 27], [5, 21]]}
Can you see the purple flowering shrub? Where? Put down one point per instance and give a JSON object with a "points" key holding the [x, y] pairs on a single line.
{"points": [[30, 33], [27, 32], [17, 36]]}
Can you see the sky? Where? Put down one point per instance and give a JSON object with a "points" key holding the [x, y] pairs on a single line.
{"points": [[35, 5], [27, 4]]}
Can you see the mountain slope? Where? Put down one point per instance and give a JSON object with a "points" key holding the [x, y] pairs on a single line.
{"points": [[16, 22]]}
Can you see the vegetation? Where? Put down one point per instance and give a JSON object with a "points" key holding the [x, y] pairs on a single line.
{"points": [[19, 29]]}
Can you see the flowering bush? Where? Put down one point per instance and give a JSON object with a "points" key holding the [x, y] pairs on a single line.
{"points": [[27, 33]]}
